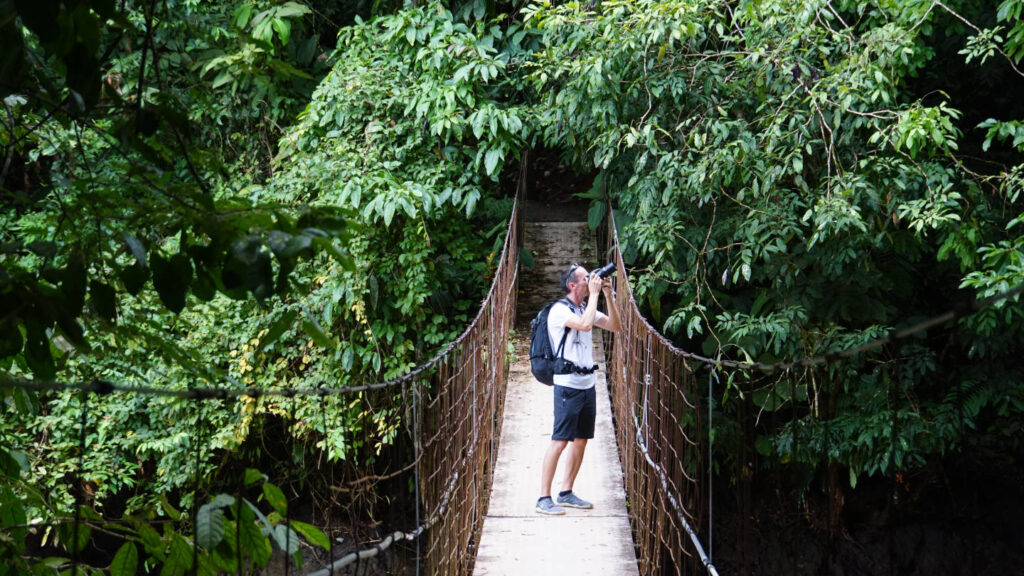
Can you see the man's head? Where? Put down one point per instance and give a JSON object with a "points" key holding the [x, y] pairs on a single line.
{"points": [[574, 280]]}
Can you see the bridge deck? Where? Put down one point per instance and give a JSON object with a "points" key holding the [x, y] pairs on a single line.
{"points": [[516, 540]]}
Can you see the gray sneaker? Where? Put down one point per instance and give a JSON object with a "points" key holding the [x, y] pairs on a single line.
{"points": [[571, 500], [546, 506]]}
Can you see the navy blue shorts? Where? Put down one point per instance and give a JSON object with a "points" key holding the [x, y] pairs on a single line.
{"points": [[575, 412]]}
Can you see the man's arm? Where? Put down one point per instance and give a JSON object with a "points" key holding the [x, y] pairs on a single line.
{"points": [[611, 321], [585, 323]]}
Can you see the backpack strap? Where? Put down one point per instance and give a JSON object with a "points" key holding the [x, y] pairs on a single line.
{"points": [[565, 334]]}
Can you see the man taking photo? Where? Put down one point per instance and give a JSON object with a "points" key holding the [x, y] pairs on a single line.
{"points": [[575, 399]]}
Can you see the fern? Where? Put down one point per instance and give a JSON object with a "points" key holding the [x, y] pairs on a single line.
{"points": [[965, 401]]}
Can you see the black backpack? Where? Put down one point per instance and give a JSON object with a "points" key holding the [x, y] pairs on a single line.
{"points": [[542, 360]]}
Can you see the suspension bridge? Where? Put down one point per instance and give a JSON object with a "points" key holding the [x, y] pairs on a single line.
{"points": [[478, 425]]}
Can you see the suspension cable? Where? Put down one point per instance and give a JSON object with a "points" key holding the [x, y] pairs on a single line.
{"points": [[641, 442], [398, 536], [712, 374]]}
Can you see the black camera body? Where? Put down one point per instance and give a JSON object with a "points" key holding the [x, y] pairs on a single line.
{"points": [[606, 270]]}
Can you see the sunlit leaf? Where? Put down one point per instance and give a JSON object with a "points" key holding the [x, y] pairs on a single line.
{"points": [[252, 476], [312, 534], [275, 497]]}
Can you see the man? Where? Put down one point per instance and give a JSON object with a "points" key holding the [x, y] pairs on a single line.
{"points": [[574, 394]]}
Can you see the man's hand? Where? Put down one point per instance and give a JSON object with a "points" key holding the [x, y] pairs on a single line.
{"points": [[595, 284]]}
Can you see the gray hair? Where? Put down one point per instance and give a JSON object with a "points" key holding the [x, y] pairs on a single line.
{"points": [[567, 276]]}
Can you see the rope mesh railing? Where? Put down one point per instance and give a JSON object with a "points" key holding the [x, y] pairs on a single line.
{"points": [[659, 428], [454, 401], [460, 423], [663, 442]]}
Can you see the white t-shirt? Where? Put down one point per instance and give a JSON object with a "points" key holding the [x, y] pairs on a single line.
{"points": [[579, 346]]}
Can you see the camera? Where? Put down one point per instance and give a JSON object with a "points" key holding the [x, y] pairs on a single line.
{"points": [[606, 270]]}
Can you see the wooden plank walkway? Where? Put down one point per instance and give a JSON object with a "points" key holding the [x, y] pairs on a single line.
{"points": [[516, 540]]}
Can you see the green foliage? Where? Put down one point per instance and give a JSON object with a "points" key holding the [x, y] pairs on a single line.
{"points": [[1011, 12], [1012, 131], [132, 252], [231, 532], [785, 191], [395, 134], [107, 183], [789, 180]]}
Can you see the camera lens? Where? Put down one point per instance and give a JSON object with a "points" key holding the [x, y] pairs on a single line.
{"points": [[606, 270]]}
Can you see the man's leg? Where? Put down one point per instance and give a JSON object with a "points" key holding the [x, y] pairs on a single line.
{"points": [[547, 471], [573, 462]]}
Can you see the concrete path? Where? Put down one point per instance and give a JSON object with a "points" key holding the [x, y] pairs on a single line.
{"points": [[516, 540]]}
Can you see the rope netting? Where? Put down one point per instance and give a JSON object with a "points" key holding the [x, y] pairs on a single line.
{"points": [[452, 407], [663, 439], [659, 431], [461, 421]]}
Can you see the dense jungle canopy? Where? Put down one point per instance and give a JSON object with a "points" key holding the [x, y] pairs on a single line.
{"points": [[287, 194]]}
